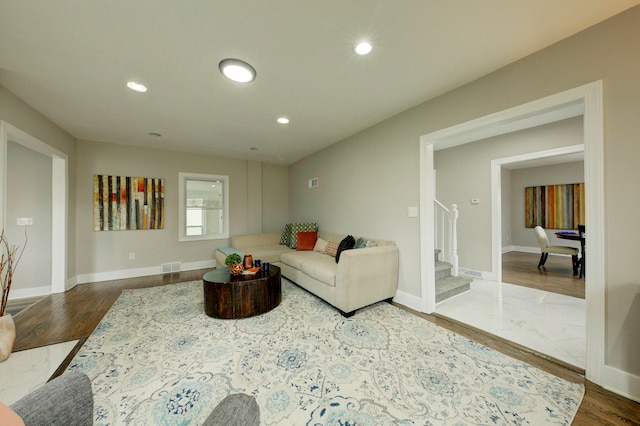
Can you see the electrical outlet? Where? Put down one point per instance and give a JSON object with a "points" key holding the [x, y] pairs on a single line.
{"points": [[24, 221], [132, 256]]}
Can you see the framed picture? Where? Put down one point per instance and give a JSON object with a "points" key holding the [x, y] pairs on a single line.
{"points": [[127, 203]]}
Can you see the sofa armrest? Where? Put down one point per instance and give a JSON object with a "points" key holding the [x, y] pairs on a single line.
{"points": [[66, 400], [366, 276], [255, 240]]}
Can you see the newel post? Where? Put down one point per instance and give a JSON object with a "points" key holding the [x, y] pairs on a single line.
{"points": [[454, 239]]}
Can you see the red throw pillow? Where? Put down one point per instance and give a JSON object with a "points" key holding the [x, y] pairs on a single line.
{"points": [[307, 240]]}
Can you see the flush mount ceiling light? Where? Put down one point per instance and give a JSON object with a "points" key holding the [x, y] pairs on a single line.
{"points": [[136, 86], [237, 70], [283, 120], [363, 48]]}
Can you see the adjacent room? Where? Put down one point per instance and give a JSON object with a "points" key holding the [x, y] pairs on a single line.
{"points": [[286, 213]]}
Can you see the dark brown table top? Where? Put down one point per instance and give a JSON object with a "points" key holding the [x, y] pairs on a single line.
{"points": [[222, 275], [568, 235]]}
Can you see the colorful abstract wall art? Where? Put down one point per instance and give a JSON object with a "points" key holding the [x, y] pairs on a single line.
{"points": [[127, 203], [554, 206]]}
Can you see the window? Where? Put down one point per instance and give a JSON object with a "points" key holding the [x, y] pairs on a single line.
{"points": [[204, 206]]}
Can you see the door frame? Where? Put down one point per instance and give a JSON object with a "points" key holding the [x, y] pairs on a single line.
{"points": [[586, 100], [59, 184]]}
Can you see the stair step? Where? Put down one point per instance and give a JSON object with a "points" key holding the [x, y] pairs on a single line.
{"points": [[450, 286], [443, 270]]}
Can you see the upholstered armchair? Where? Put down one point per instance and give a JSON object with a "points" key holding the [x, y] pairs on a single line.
{"points": [[545, 249]]}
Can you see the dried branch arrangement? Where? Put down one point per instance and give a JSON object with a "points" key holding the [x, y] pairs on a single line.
{"points": [[11, 255]]}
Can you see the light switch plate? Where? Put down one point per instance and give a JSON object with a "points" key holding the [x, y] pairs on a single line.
{"points": [[413, 212], [475, 201], [24, 221]]}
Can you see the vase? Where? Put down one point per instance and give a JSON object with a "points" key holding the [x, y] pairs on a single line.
{"points": [[7, 336], [236, 269], [248, 261]]}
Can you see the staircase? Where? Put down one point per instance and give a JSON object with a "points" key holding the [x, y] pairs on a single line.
{"points": [[447, 285]]}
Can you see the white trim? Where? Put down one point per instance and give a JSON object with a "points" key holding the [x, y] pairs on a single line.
{"points": [[140, 272], [182, 203], [496, 196], [26, 293], [621, 382], [408, 300], [586, 99], [59, 193], [427, 217]]}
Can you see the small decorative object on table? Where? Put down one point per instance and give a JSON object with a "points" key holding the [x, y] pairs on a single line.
{"points": [[248, 261], [234, 261], [11, 255]]}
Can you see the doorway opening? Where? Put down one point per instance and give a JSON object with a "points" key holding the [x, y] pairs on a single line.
{"points": [[584, 100], [59, 167]]}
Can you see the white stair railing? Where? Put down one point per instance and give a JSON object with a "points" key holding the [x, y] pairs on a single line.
{"points": [[446, 235]]}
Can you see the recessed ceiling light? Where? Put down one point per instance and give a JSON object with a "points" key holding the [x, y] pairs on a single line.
{"points": [[136, 86], [283, 120], [237, 70], [363, 48]]}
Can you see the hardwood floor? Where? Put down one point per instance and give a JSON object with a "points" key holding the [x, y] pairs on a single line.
{"points": [[75, 314], [555, 276]]}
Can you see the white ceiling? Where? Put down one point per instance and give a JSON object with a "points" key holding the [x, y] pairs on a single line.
{"points": [[71, 59]]}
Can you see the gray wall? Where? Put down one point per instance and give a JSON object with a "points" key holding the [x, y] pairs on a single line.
{"points": [[249, 184], [29, 195], [464, 172], [549, 175], [367, 181]]}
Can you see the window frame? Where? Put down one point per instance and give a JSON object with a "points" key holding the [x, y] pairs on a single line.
{"points": [[183, 178]]}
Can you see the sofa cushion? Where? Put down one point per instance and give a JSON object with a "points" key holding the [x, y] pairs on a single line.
{"points": [[295, 259], [307, 240], [346, 244], [322, 268], [269, 254]]}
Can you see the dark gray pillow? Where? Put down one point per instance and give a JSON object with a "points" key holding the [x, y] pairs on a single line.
{"points": [[66, 400], [346, 244], [236, 409]]}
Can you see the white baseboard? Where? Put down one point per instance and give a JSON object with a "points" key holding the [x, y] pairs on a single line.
{"points": [[140, 272], [408, 300], [524, 249], [25, 293], [621, 382]]}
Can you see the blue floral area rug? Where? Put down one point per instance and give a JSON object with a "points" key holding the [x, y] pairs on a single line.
{"points": [[156, 358]]}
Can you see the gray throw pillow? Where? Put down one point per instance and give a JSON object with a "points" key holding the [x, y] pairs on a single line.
{"points": [[66, 400], [235, 410]]}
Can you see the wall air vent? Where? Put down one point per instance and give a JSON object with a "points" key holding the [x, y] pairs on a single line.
{"points": [[313, 182], [169, 268]]}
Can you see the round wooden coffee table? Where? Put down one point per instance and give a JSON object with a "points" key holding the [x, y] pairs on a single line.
{"points": [[229, 296]]}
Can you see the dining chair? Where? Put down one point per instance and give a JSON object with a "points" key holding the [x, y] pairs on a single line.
{"points": [[581, 229], [545, 249]]}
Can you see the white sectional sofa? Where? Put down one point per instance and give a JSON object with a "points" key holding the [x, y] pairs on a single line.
{"points": [[363, 276]]}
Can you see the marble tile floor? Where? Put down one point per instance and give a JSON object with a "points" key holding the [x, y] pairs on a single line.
{"points": [[549, 323], [25, 371]]}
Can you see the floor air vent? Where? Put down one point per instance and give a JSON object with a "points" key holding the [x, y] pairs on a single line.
{"points": [[168, 268]]}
